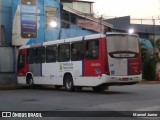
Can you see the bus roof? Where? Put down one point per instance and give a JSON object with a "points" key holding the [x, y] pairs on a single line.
{"points": [[68, 40], [74, 39]]}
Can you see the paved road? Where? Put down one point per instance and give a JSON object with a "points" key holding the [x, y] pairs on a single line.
{"points": [[138, 97]]}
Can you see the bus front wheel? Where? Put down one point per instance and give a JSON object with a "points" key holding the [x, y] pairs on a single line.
{"points": [[30, 82], [68, 83]]}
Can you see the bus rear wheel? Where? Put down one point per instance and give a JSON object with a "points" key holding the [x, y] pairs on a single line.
{"points": [[68, 83]]}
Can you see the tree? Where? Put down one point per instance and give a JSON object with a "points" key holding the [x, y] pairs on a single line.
{"points": [[150, 58]]}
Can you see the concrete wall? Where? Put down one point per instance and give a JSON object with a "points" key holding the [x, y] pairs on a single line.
{"points": [[8, 58], [6, 11], [8, 79], [7, 62]]}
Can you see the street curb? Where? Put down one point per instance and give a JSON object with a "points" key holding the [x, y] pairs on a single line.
{"points": [[12, 87], [149, 82]]}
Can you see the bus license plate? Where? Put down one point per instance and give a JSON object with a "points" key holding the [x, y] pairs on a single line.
{"points": [[124, 79]]}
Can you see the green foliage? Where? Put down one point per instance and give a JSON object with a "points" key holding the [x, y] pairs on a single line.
{"points": [[158, 44], [144, 52], [149, 69], [150, 59]]}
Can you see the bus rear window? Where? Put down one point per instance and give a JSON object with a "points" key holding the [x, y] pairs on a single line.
{"points": [[122, 46]]}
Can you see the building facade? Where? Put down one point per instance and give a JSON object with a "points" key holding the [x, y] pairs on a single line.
{"points": [[25, 22], [144, 30], [79, 5], [32, 20]]}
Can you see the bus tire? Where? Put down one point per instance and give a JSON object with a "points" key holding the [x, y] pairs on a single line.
{"points": [[68, 83], [30, 82], [99, 88]]}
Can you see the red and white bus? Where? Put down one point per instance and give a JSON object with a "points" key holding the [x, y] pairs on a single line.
{"points": [[96, 61]]}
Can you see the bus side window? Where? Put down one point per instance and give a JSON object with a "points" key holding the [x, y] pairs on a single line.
{"points": [[31, 56], [40, 55], [92, 49], [77, 51], [64, 53], [21, 61], [51, 54]]}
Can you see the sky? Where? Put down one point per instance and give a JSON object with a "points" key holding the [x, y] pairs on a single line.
{"points": [[134, 8]]}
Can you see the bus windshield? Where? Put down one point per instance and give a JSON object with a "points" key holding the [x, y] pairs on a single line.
{"points": [[122, 46]]}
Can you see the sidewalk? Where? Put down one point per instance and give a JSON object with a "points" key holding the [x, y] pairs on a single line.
{"points": [[149, 82], [12, 87]]}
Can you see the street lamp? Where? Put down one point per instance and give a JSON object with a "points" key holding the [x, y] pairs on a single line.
{"points": [[53, 24], [131, 31]]}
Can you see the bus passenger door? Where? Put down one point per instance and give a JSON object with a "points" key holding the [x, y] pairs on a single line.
{"points": [[92, 64]]}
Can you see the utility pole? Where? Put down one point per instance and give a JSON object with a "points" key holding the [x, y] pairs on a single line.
{"points": [[154, 22], [101, 18]]}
